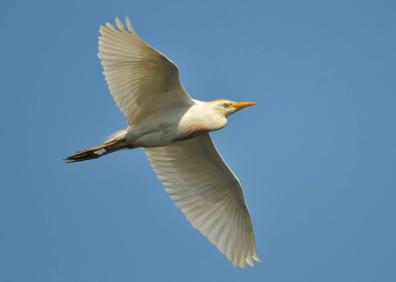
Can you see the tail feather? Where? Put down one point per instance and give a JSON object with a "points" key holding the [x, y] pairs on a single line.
{"points": [[118, 135], [97, 151]]}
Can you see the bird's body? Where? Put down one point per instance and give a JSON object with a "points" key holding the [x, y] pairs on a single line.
{"points": [[173, 129], [175, 124]]}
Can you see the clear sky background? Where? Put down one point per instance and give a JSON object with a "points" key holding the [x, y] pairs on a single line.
{"points": [[316, 156]]}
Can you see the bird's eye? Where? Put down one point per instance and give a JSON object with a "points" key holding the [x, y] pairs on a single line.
{"points": [[226, 105]]}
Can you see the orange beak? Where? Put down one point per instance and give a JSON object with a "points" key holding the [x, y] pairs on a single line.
{"points": [[241, 105]]}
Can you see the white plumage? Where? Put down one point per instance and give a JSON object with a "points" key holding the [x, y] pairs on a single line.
{"points": [[209, 194], [135, 73], [174, 131]]}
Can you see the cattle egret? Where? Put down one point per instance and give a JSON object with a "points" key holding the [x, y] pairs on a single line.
{"points": [[174, 131]]}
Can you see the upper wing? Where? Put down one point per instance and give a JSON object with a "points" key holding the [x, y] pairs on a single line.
{"points": [[141, 80], [209, 194]]}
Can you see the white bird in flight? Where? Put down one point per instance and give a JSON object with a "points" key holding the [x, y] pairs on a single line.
{"points": [[174, 131]]}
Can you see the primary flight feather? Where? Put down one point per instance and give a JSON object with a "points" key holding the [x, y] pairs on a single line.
{"points": [[174, 131]]}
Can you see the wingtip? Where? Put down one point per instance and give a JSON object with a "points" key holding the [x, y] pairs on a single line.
{"points": [[119, 24], [110, 25], [129, 24], [249, 261]]}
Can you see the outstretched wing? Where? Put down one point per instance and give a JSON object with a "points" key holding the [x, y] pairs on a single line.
{"points": [[141, 80], [210, 195]]}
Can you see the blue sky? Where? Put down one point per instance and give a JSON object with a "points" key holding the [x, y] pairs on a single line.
{"points": [[316, 156]]}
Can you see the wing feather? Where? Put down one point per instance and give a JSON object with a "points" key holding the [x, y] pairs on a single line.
{"points": [[208, 193], [141, 80]]}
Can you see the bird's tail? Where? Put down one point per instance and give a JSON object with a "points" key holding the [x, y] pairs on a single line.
{"points": [[97, 151], [112, 144]]}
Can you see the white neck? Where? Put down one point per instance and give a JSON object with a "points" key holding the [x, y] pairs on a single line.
{"points": [[202, 117]]}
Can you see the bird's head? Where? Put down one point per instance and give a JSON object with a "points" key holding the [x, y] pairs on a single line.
{"points": [[227, 107]]}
